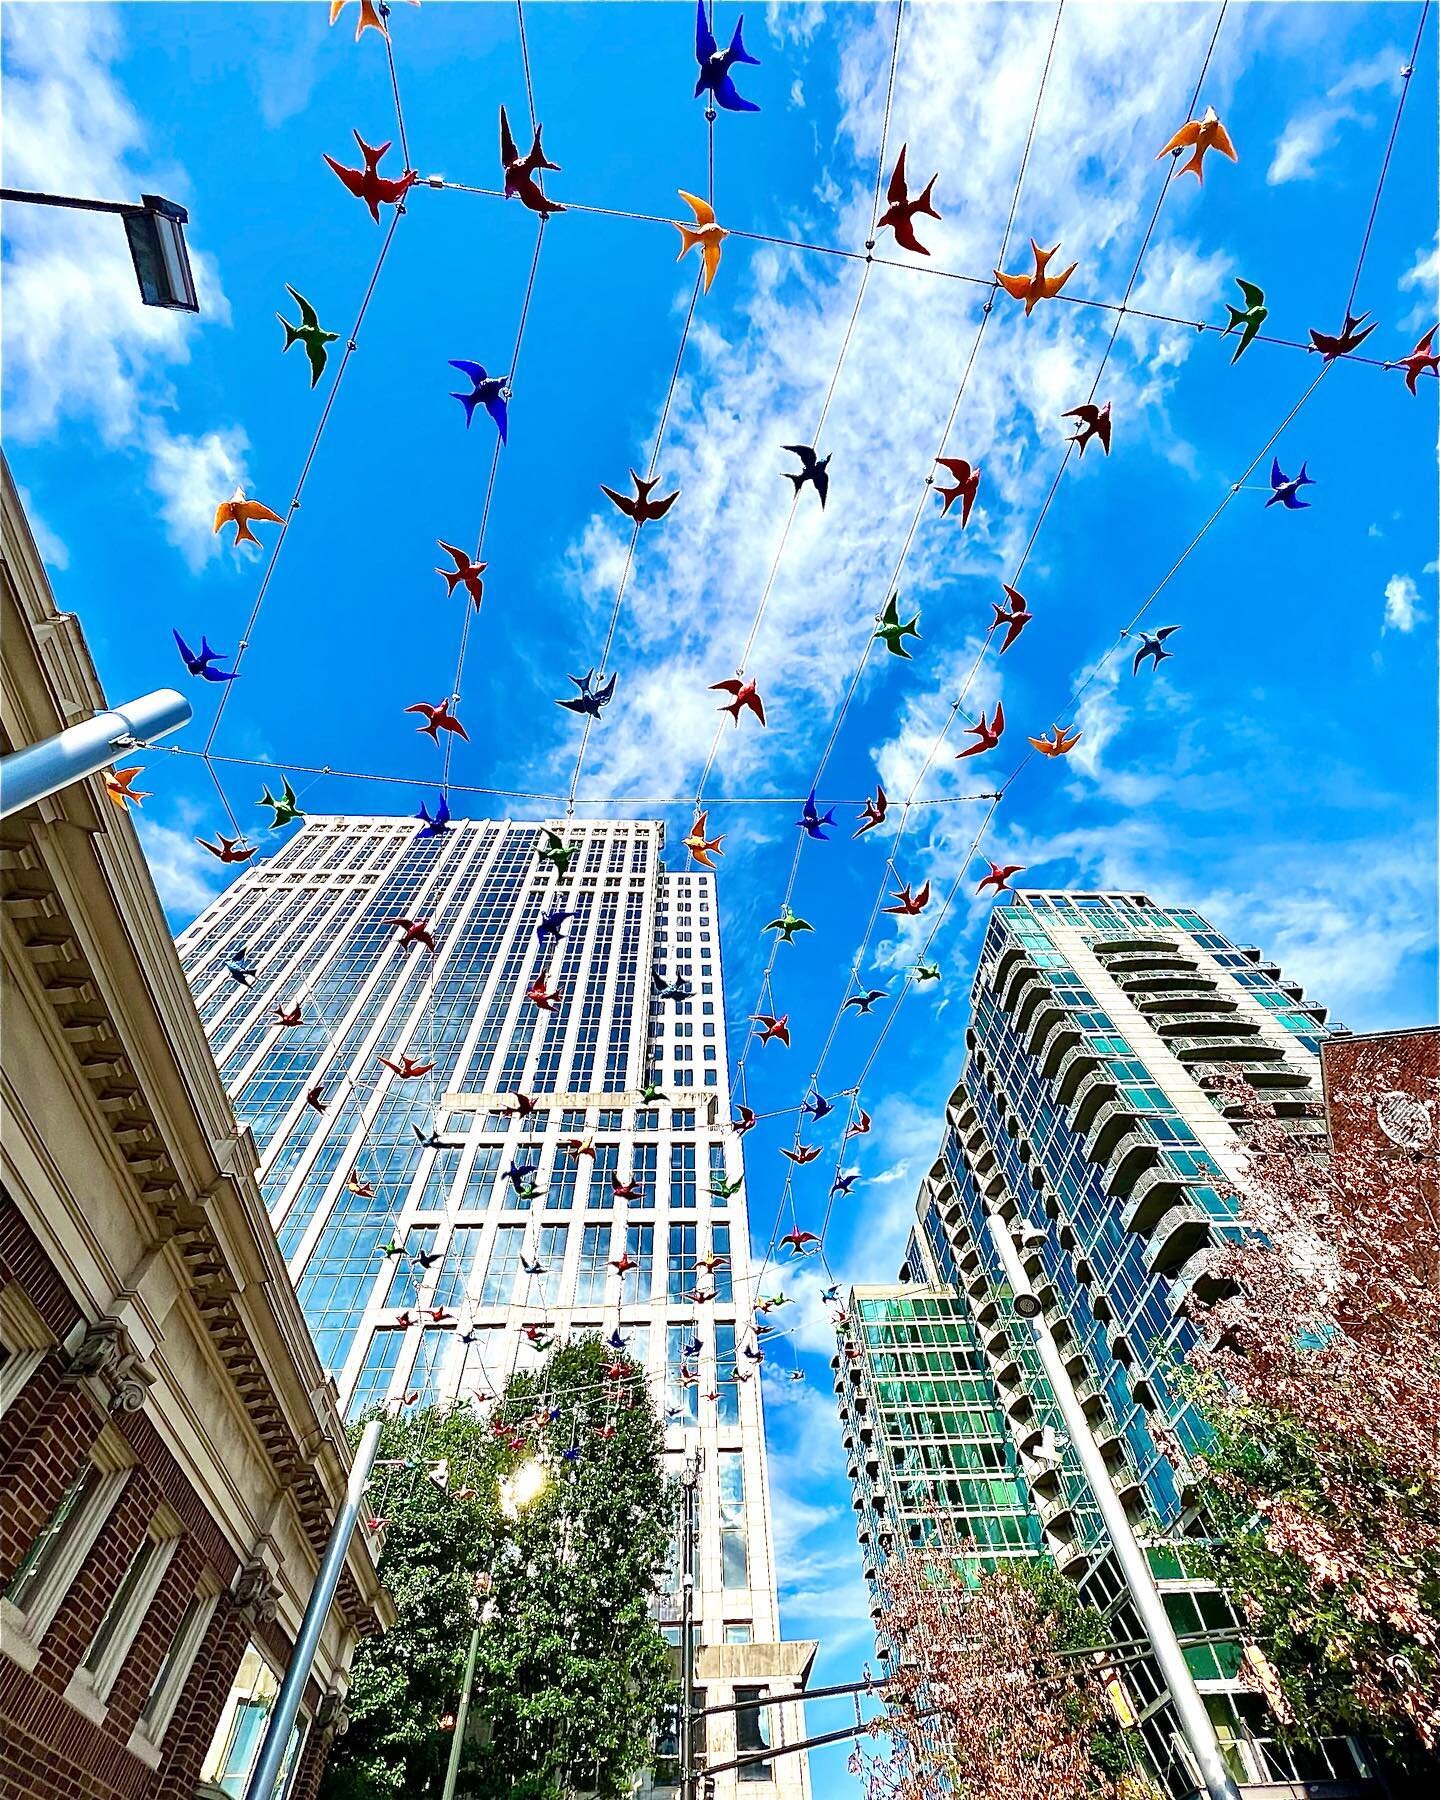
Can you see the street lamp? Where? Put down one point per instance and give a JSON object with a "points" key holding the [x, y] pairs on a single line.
{"points": [[155, 232], [517, 1491]]}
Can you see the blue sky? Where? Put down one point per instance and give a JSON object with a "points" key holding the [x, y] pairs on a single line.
{"points": [[1279, 773]]}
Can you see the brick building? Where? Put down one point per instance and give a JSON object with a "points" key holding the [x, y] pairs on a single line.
{"points": [[171, 1452]]}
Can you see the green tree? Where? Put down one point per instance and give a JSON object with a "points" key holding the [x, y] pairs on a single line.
{"points": [[573, 1678]]}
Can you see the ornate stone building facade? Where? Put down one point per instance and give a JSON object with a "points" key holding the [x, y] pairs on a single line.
{"points": [[171, 1452]]}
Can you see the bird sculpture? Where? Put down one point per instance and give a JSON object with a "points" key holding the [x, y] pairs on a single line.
{"points": [[639, 506], [967, 486], [308, 332], [1198, 136], [704, 235], [900, 210], [522, 172], [368, 184], [242, 514], [465, 571], [1036, 286], [715, 78], [486, 390]]}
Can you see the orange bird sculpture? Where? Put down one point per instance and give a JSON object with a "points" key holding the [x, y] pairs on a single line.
{"points": [[437, 719], [1060, 742], [1200, 135], [1034, 288], [1420, 361], [368, 184], [773, 1028], [370, 19], [1014, 618], [908, 904], [967, 486], [241, 513], [701, 847], [987, 733], [704, 235], [900, 209], [745, 694], [117, 786], [362, 1190], [464, 570], [407, 1068]]}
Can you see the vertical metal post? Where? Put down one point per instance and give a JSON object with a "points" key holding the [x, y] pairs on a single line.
{"points": [[261, 1785], [1194, 1721], [42, 769], [462, 1715], [689, 1485]]}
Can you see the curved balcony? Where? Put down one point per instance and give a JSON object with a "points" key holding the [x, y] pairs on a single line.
{"points": [[1068, 1069], [1114, 1120], [1156, 962], [1132, 946], [1072, 1559], [1084, 1269], [1057, 1514], [1101, 1307], [1200, 1277], [1046, 1019], [1183, 1000], [1091, 1092], [1159, 982], [1092, 1401], [1007, 959], [1059, 1030], [1197, 1027], [1154, 1193], [1016, 981], [1134, 1156]]}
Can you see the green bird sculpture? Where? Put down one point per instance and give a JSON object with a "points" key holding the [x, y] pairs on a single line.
{"points": [[787, 925], [927, 971], [892, 632], [722, 1189], [1248, 321], [287, 808], [555, 851], [308, 333]]}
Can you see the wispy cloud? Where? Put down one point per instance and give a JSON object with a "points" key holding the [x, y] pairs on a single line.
{"points": [[1402, 604], [1301, 147], [53, 551], [183, 873]]}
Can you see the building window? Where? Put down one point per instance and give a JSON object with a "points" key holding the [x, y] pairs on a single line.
{"points": [[734, 1556], [230, 1760], [752, 1733], [640, 1248], [682, 1384], [53, 1561], [682, 1176], [24, 1339], [382, 1358], [681, 1269], [176, 1664], [129, 1604], [460, 1253], [737, 1631], [642, 1172], [727, 1407], [594, 1266], [721, 1280], [504, 1263]]}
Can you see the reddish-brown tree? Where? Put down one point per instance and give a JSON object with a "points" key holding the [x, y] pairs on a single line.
{"points": [[1321, 1372]]}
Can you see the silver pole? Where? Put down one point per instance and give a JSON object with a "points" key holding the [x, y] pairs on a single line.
{"points": [[1194, 1721], [42, 769], [266, 1773]]}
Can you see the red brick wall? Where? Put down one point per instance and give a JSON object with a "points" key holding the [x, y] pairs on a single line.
{"points": [[48, 1750]]}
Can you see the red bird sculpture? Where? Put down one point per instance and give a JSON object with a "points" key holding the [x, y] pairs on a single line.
{"points": [[745, 1122], [368, 184], [539, 995], [413, 931], [1094, 423], [521, 171], [900, 209], [288, 1018], [987, 734], [437, 719], [1420, 361], [1014, 618], [407, 1068], [799, 1242], [465, 570], [999, 878], [872, 813], [772, 1028], [745, 693], [910, 904], [967, 486]]}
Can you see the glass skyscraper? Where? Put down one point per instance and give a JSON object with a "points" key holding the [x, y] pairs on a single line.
{"points": [[387, 1114], [1082, 1116]]}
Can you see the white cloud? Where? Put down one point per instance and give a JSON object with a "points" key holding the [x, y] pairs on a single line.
{"points": [[80, 346], [53, 552], [191, 476], [183, 872], [756, 381], [1402, 604], [1423, 275], [1301, 146]]}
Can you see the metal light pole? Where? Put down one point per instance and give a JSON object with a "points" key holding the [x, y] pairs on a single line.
{"points": [[42, 769], [462, 1712], [261, 1785], [1195, 1724], [689, 1489]]}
